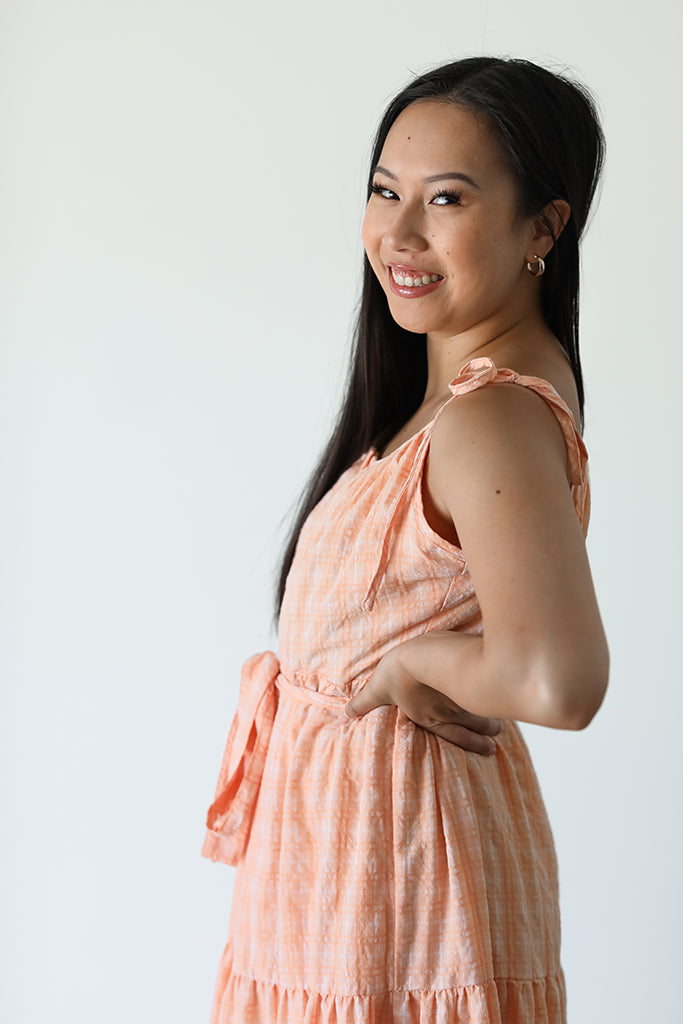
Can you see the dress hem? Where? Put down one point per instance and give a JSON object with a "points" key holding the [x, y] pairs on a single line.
{"points": [[241, 999]]}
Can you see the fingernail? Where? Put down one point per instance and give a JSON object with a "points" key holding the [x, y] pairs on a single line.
{"points": [[492, 748]]}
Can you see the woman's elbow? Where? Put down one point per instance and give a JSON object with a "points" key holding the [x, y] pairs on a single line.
{"points": [[571, 692]]}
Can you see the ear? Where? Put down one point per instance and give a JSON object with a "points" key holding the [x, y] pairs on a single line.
{"points": [[549, 225]]}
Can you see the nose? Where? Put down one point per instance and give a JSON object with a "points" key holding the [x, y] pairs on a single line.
{"points": [[404, 231]]}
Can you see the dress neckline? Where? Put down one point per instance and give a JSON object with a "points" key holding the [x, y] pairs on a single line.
{"points": [[372, 451]]}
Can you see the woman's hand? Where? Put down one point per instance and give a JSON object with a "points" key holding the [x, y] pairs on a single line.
{"points": [[391, 683]]}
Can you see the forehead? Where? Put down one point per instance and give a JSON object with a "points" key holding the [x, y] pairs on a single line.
{"points": [[438, 135]]}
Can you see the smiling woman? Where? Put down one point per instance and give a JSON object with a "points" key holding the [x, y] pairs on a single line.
{"points": [[471, 240], [395, 861]]}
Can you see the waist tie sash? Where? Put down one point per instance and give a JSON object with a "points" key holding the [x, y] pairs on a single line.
{"points": [[228, 821]]}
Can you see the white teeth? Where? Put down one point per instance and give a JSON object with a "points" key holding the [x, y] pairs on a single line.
{"points": [[414, 282]]}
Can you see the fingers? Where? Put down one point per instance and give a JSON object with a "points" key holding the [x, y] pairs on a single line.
{"points": [[478, 742], [429, 707], [465, 738], [351, 710], [366, 700], [480, 724], [430, 710], [445, 711], [448, 720]]}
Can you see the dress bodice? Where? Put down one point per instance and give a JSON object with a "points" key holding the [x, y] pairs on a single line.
{"points": [[370, 572]]}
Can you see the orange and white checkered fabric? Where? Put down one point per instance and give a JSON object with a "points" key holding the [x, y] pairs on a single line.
{"points": [[384, 875]]}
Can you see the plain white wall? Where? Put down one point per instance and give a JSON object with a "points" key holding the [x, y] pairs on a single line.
{"points": [[183, 188]]}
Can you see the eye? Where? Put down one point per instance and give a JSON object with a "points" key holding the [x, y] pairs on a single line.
{"points": [[447, 198], [382, 190]]}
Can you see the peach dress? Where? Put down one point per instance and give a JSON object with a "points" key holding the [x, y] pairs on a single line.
{"points": [[384, 875]]}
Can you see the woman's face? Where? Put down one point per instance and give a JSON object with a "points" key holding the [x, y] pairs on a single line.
{"points": [[441, 229]]}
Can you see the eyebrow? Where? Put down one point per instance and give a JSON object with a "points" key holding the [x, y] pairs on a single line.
{"points": [[446, 176]]}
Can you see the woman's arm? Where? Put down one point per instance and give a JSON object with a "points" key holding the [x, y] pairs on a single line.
{"points": [[498, 468]]}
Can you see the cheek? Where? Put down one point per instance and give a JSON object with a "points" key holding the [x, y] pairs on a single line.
{"points": [[370, 235]]}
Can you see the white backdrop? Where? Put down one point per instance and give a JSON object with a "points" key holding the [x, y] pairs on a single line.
{"points": [[183, 190]]}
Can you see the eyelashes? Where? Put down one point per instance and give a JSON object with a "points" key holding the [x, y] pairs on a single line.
{"points": [[450, 194], [381, 190], [451, 197]]}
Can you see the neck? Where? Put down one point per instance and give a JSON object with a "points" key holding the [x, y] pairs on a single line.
{"points": [[447, 354]]}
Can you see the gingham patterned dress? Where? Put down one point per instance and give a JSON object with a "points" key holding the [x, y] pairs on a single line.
{"points": [[384, 875]]}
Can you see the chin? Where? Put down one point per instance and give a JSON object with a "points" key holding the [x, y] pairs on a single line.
{"points": [[414, 324]]}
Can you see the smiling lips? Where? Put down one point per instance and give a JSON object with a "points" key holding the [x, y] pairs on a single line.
{"points": [[410, 282]]}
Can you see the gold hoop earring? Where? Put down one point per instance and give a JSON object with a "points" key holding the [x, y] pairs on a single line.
{"points": [[540, 269]]}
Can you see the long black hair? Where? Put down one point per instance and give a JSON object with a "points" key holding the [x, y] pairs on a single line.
{"points": [[549, 131]]}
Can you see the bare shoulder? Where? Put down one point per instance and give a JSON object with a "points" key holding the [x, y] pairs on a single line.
{"points": [[498, 425]]}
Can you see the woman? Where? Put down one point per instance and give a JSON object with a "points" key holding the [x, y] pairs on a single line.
{"points": [[395, 862]]}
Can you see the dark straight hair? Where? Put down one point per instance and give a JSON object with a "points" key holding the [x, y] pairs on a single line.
{"points": [[549, 131]]}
